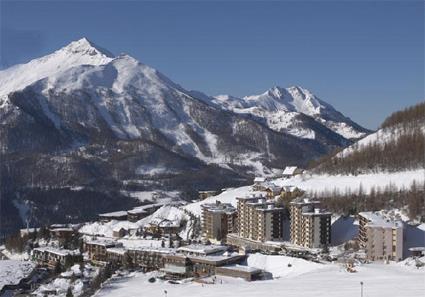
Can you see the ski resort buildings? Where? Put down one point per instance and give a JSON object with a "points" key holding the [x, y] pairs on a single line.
{"points": [[218, 219], [310, 226], [259, 219], [380, 237]]}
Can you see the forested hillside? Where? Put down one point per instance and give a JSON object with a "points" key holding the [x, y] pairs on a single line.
{"points": [[398, 145]]}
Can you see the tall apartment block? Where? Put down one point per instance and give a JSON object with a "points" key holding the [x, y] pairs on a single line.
{"points": [[218, 219], [259, 219], [310, 226], [380, 237]]}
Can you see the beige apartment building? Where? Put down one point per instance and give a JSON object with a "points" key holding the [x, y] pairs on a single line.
{"points": [[310, 226], [259, 219], [381, 237], [218, 219]]}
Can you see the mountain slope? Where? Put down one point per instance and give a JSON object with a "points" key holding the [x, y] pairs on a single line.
{"points": [[81, 117], [282, 108]]}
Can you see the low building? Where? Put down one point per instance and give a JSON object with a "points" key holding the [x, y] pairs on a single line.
{"points": [[116, 215], [162, 228], [96, 249], [149, 258], [381, 237], [218, 219], [259, 219], [62, 234], [418, 251], [310, 226], [198, 261], [143, 211], [52, 257], [241, 271]]}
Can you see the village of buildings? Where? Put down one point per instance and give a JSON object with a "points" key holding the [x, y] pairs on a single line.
{"points": [[169, 238]]}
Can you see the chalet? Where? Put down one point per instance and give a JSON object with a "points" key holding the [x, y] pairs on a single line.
{"points": [[291, 171], [258, 183], [96, 249], [271, 190], [52, 257], [116, 215], [119, 232]]}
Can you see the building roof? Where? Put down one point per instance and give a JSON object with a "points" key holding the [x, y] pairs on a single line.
{"points": [[144, 208], [117, 250], [290, 170], [243, 268], [219, 207], [202, 249], [377, 219], [121, 213], [58, 251], [304, 201], [259, 179], [105, 242]]}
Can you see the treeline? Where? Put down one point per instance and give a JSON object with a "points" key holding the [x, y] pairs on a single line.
{"points": [[404, 117], [351, 203]]}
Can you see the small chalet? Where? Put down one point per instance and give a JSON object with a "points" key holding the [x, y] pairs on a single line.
{"points": [[291, 171], [258, 183], [205, 194]]}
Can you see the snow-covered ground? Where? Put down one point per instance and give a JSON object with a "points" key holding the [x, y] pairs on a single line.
{"points": [[308, 279], [325, 182], [12, 271]]}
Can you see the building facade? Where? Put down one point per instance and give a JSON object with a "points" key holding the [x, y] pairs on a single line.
{"points": [[218, 219], [259, 219], [381, 237], [310, 226]]}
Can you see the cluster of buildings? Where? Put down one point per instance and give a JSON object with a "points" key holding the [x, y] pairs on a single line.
{"points": [[259, 220]]}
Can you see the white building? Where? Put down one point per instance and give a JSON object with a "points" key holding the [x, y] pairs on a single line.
{"points": [[381, 237]]}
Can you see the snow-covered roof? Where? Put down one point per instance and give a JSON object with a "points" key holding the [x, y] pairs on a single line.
{"points": [[259, 180], [202, 249], [144, 208], [57, 251], [105, 242], [114, 214], [290, 170], [243, 268], [116, 250], [376, 219], [219, 207]]}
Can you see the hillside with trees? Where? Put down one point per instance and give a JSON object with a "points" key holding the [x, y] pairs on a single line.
{"points": [[397, 146]]}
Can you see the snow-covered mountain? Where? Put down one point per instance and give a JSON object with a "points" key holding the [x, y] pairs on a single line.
{"points": [[283, 109], [82, 117]]}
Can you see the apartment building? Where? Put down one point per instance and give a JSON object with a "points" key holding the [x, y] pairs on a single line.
{"points": [[259, 219], [52, 257], [381, 237], [218, 219], [310, 226]]}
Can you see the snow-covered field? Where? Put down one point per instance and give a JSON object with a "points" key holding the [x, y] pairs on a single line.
{"points": [[302, 279], [320, 183], [12, 271]]}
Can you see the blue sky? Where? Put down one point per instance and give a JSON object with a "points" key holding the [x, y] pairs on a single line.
{"points": [[366, 58]]}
